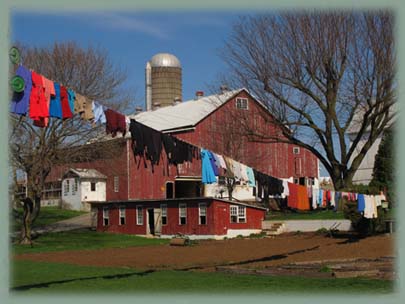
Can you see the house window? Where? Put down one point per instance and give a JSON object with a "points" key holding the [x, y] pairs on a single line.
{"points": [[296, 180], [297, 166], [221, 180], [202, 213], [116, 183], [122, 215], [234, 214], [66, 187], [93, 186], [106, 217], [164, 214], [242, 103], [182, 214], [310, 181], [241, 214], [139, 215], [238, 214], [169, 190], [296, 150], [74, 186]]}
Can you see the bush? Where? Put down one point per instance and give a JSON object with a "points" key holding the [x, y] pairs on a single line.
{"points": [[362, 225]]}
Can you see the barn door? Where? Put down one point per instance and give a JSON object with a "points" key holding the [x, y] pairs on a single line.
{"points": [[158, 220]]}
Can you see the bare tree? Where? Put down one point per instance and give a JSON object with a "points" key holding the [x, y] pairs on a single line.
{"points": [[320, 75], [35, 150]]}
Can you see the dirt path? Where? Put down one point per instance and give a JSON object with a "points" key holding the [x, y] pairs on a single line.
{"points": [[257, 253]]}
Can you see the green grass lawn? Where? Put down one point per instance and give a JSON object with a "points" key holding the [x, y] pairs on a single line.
{"points": [[310, 215], [84, 239], [47, 215], [41, 277]]}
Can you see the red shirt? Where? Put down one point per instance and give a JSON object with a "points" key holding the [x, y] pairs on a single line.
{"points": [[64, 100], [38, 105]]}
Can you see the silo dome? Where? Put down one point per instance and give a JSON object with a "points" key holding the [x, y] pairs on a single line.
{"points": [[165, 60]]}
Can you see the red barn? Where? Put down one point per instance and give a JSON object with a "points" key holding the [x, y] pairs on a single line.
{"points": [[218, 123]]}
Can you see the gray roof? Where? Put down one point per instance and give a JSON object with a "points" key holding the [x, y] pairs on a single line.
{"points": [[165, 60], [184, 114], [86, 173]]}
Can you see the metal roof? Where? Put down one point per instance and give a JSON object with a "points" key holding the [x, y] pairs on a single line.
{"points": [[165, 60], [185, 114], [86, 173]]}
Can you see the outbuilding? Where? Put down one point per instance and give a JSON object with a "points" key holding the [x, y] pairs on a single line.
{"points": [[80, 186], [198, 218]]}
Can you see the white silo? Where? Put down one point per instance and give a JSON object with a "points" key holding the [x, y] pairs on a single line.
{"points": [[163, 81]]}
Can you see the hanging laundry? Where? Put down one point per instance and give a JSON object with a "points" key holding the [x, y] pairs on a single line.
{"points": [[298, 198], [229, 167], [138, 143], [243, 171], [207, 174], [49, 88], [251, 177], [153, 144], [332, 198], [38, 105], [55, 107], [286, 190], [236, 170], [361, 203], [80, 101], [20, 100], [64, 101], [115, 123], [98, 112], [320, 197], [71, 98], [370, 210], [338, 196], [315, 198], [212, 161], [219, 161]]}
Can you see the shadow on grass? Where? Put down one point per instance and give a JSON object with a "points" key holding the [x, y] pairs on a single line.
{"points": [[106, 277]]}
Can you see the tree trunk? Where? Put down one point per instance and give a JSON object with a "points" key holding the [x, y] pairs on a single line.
{"points": [[26, 227]]}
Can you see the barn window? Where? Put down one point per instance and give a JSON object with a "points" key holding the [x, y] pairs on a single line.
{"points": [[202, 213], [93, 186], [169, 190], [296, 150], [106, 216], [241, 214], [66, 187], [116, 183], [122, 215], [234, 214], [242, 103], [163, 207], [182, 214], [139, 215], [238, 214]]}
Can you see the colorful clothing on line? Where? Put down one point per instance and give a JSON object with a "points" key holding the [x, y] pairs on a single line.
{"points": [[20, 101], [207, 174], [55, 107]]}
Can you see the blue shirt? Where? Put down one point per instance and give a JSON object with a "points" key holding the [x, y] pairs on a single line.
{"points": [[55, 106], [20, 101], [251, 176], [361, 203], [98, 112], [71, 99]]}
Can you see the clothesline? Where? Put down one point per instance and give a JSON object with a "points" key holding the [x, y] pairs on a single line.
{"points": [[42, 99]]}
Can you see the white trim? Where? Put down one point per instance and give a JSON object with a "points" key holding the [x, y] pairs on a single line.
{"points": [[201, 206], [106, 210], [182, 206], [138, 222], [242, 101], [163, 207], [122, 214], [231, 233]]}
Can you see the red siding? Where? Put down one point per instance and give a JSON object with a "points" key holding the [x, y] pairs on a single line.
{"points": [[218, 218], [224, 132]]}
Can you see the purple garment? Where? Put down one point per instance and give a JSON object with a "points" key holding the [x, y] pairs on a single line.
{"points": [[212, 161], [20, 101]]}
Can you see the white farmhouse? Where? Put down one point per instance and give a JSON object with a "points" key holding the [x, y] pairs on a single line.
{"points": [[80, 186]]}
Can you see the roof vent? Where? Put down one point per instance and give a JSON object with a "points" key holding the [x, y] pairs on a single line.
{"points": [[177, 100], [224, 88], [156, 105], [199, 94], [138, 110]]}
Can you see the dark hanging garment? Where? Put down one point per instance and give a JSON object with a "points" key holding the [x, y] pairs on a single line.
{"points": [[115, 123], [138, 143], [169, 145], [153, 143], [275, 185]]}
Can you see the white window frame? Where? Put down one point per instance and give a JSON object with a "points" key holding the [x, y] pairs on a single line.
{"points": [[163, 208], [233, 211], [242, 103], [66, 187], [296, 150], [106, 216], [182, 207], [122, 214], [239, 212], [139, 215], [75, 186], [202, 207], [242, 214], [116, 183]]}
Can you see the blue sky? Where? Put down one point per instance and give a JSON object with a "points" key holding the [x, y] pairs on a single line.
{"points": [[132, 38]]}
